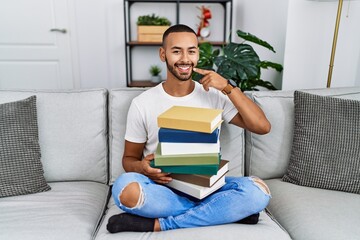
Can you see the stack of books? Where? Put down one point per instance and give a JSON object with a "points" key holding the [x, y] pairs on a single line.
{"points": [[189, 149]]}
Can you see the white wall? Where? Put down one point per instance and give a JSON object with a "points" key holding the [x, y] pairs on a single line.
{"points": [[309, 38], [98, 28]]}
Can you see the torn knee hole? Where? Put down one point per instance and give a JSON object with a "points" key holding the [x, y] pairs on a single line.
{"points": [[131, 195], [261, 184]]}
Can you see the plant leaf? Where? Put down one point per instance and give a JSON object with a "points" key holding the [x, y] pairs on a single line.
{"points": [[206, 59], [240, 62], [216, 53], [265, 64], [252, 38], [206, 48]]}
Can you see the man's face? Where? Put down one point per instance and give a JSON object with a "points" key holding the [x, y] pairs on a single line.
{"points": [[181, 54]]}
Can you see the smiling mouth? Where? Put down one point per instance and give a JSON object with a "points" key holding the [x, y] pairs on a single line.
{"points": [[184, 68]]}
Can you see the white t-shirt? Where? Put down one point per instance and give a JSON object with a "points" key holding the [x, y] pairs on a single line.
{"points": [[145, 108]]}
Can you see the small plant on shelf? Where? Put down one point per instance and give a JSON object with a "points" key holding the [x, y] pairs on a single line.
{"points": [[151, 28], [155, 73], [152, 20], [155, 70]]}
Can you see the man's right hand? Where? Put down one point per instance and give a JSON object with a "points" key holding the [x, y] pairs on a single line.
{"points": [[154, 173]]}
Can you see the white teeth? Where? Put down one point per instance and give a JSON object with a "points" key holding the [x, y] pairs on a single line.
{"points": [[184, 67]]}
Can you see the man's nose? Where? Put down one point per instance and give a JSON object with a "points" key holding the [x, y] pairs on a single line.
{"points": [[185, 57]]}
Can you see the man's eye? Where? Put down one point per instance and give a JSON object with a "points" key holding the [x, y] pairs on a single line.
{"points": [[192, 52], [176, 52]]}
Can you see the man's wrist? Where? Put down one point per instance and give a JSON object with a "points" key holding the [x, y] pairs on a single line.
{"points": [[227, 89], [230, 86]]}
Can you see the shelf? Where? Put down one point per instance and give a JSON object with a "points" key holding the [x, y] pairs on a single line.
{"points": [[136, 43], [132, 45]]}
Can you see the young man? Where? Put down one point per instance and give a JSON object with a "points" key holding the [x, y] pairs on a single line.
{"points": [[150, 206]]}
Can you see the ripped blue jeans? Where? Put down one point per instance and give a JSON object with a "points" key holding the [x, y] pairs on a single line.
{"points": [[238, 198]]}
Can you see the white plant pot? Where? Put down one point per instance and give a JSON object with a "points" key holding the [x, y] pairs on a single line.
{"points": [[156, 79]]}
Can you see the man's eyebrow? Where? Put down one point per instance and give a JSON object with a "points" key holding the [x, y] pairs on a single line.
{"points": [[192, 47]]}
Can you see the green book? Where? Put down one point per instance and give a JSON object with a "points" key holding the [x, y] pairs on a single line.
{"points": [[189, 169], [185, 159]]}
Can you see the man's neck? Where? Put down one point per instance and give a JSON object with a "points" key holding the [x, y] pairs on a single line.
{"points": [[177, 88]]}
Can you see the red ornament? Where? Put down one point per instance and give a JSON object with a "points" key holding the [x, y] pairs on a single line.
{"points": [[204, 26]]}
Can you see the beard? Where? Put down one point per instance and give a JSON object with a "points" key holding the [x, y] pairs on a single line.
{"points": [[180, 76]]}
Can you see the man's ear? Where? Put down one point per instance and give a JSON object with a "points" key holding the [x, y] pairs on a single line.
{"points": [[162, 54]]}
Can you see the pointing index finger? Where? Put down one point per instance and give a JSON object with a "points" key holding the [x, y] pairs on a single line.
{"points": [[201, 71]]}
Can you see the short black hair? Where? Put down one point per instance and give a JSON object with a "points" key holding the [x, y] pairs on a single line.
{"points": [[177, 28]]}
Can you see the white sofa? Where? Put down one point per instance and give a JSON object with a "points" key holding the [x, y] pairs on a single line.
{"points": [[81, 139]]}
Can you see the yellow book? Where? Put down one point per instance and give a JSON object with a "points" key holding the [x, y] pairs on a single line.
{"points": [[190, 118]]}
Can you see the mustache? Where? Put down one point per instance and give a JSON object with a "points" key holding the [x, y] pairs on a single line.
{"points": [[180, 63], [184, 63]]}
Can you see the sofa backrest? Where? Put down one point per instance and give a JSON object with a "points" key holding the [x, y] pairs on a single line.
{"points": [[231, 138], [267, 156], [72, 132]]}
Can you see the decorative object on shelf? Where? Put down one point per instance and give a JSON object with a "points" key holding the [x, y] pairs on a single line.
{"points": [[155, 73], [238, 61], [204, 25], [151, 28]]}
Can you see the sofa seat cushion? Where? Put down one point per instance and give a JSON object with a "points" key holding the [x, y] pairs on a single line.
{"points": [[71, 210], [267, 228], [312, 213]]}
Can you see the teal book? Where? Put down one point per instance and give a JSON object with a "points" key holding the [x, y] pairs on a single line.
{"points": [[185, 159], [189, 169]]}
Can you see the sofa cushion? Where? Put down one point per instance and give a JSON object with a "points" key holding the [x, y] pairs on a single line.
{"points": [[326, 146], [312, 213], [119, 103], [20, 165], [267, 156], [231, 137], [71, 210], [267, 228], [72, 132]]}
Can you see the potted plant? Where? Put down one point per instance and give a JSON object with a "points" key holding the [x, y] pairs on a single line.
{"points": [[239, 62], [155, 73], [151, 28]]}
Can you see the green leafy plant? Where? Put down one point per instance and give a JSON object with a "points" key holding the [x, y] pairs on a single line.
{"points": [[238, 61], [155, 70], [152, 20]]}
